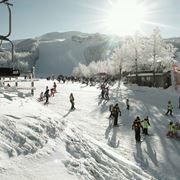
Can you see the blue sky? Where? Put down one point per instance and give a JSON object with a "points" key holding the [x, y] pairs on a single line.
{"points": [[32, 18]]}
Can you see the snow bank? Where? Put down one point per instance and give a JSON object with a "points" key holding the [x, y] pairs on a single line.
{"points": [[93, 161], [24, 133]]}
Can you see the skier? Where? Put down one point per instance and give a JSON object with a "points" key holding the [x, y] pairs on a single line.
{"points": [[169, 108], [137, 127], [102, 90], [170, 129], [106, 93], [110, 109], [55, 86], [127, 104], [145, 125], [64, 79], [41, 97], [175, 129], [46, 94], [115, 112], [71, 98], [52, 92]]}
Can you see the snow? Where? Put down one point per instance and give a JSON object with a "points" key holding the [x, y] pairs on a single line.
{"points": [[52, 41], [46, 142], [145, 74]]}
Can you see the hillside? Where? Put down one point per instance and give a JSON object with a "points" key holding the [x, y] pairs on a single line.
{"points": [[51, 142], [58, 53], [61, 52]]}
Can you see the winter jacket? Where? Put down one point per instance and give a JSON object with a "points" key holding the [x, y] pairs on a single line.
{"points": [[169, 106], [71, 98], [170, 128], [136, 125], [116, 111], [46, 93], [145, 123]]}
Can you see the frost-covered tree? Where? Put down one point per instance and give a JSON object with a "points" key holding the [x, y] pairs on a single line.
{"points": [[134, 53], [93, 68], [24, 57], [81, 70], [17, 61], [158, 53]]}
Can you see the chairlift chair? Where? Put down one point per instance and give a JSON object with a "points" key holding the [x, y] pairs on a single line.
{"points": [[8, 71]]}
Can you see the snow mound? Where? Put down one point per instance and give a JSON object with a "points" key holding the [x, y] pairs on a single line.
{"points": [[26, 133], [92, 160]]}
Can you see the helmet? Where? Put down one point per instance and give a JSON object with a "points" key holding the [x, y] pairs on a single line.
{"points": [[137, 118]]}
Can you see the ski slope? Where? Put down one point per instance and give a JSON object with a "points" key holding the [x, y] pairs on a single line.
{"points": [[52, 142]]}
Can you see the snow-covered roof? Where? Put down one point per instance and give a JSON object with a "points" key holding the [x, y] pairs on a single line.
{"points": [[145, 74]]}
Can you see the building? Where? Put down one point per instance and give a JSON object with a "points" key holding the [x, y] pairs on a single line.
{"points": [[146, 78]]}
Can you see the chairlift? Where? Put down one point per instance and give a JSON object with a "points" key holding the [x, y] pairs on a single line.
{"points": [[8, 71]]}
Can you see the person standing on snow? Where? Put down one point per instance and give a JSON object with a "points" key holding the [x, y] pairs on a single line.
{"points": [[169, 108], [41, 97], [71, 98], [54, 87], [52, 92], [145, 124], [116, 112], [127, 104], [46, 94], [106, 94], [110, 110], [136, 126], [102, 91], [170, 129]]}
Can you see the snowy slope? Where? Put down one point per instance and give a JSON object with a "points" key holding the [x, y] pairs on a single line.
{"points": [[58, 53], [61, 52], [51, 142]]}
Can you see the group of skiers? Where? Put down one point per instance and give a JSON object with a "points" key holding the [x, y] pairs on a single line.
{"points": [[48, 93], [173, 129], [139, 124], [115, 112]]}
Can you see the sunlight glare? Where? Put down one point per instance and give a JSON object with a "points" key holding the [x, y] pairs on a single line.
{"points": [[125, 17]]}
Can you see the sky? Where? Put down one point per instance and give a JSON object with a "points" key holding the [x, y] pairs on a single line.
{"points": [[36, 17]]}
